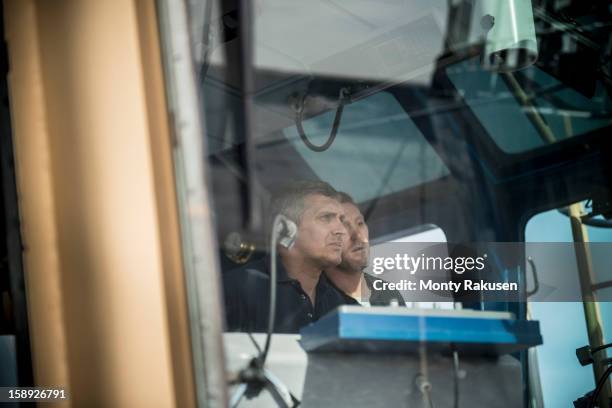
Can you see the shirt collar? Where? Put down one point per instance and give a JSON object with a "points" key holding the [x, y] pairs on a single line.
{"points": [[348, 299], [282, 276], [369, 279]]}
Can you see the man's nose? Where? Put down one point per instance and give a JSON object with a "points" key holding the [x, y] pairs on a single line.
{"points": [[359, 235], [340, 228], [353, 234]]}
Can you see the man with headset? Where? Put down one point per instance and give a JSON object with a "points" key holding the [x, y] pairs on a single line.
{"points": [[304, 293]]}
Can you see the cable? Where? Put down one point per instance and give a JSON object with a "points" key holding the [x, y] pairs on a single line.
{"points": [[263, 353], [589, 219], [299, 111], [602, 347], [585, 353], [255, 344], [600, 386], [278, 220], [536, 281], [252, 379]]}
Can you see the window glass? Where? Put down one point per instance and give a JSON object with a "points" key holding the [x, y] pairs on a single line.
{"points": [[378, 149], [429, 133], [556, 357], [346, 39], [426, 233], [494, 101]]}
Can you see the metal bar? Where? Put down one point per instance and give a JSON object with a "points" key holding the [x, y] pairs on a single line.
{"points": [[198, 238], [601, 285], [580, 235], [543, 129], [592, 314], [240, 60], [543, 15]]}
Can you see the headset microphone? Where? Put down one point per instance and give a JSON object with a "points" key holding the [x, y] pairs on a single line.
{"points": [[285, 230]]}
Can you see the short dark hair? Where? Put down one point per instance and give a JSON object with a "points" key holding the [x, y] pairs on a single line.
{"points": [[345, 198], [289, 201]]}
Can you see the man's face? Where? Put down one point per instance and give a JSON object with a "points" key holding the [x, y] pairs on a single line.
{"points": [[321, 231], [356, 248]]}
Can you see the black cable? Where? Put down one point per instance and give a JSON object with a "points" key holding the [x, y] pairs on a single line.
{"points": [[585, 353], [299, 111], [536, 281], [255, 344], [589, 219], [593, 222], [602, 347], [600, 386]]}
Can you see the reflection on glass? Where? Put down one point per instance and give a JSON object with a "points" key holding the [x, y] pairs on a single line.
{"points": [[378, 149], [565, 111]]}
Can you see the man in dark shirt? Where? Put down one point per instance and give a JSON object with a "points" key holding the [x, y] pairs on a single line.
{"points": [[303, 293], [348, 276]]}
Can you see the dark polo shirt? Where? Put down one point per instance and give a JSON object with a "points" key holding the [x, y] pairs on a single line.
{"points": [[382, 297], [247, 297]]}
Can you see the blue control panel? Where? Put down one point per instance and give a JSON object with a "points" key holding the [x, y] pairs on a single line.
{"points": [[399, 329]]}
